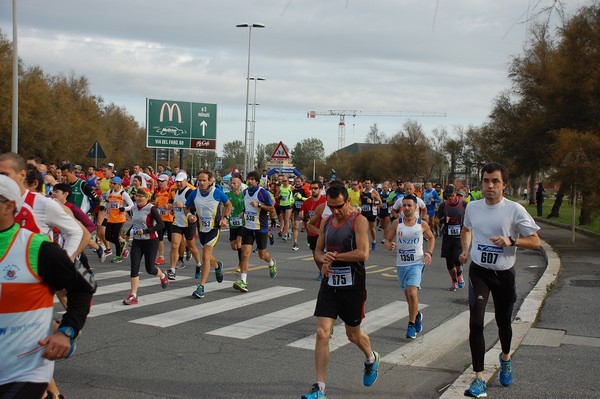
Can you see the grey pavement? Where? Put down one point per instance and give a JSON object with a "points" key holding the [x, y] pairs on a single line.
{"points": [[556, 338]]}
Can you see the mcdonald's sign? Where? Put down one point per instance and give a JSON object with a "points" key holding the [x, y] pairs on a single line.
{"points": [[180, 124]]}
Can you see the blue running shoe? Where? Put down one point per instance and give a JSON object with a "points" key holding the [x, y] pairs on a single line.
{"points": [[371, 371], [219, 272], [505, 371], [271, 239], [315, 393], [198, 273], [477, 389], [461, 281], [419, 322], [199, 292], [117, 259], [411, 331], [373, 246]]}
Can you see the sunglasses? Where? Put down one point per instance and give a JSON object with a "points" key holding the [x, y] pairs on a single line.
{"points": [[315, 188], [332, 207]]}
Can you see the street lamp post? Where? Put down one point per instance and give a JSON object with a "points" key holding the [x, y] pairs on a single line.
{"points": [[249, 26], [252, 132]]}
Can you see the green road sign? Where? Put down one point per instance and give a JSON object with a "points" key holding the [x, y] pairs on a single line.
{"points": [[180, 124]]}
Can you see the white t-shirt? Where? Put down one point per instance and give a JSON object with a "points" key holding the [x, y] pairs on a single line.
{"points": [[420, 205], [506, 218], [145, 179]]}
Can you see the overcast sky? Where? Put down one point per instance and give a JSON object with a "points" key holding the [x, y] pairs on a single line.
{"points": [[446, 56]]}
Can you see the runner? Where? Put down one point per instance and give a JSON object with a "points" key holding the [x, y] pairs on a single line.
{"points": [[450, 214], [369, 199], [257, 205], [146, 221], [119, 203], [300, 194], [285, 208], [343, 249], [406, 236], [495, 227], [307, 212], [206, 201], [165, 209], [236, 221], [384, 212]]}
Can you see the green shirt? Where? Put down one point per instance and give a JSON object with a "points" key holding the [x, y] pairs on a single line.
{"points": [[237, 207]]}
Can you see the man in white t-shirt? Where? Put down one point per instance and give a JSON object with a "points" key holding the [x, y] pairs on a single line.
{"points": [[147, 180], [421, 209], [493, 228]]}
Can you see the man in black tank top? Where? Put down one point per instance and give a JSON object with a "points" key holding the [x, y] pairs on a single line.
{"points": [[343, 248]]}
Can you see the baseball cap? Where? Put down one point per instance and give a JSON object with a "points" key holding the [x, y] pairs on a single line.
{"points": [[112, 165], [181, 176], [450, 190], [163, 177], [117, 180], [10, 190], [399, 181], [78, 167]]}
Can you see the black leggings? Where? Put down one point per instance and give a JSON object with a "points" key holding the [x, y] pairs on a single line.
{"points": [[17, 390], [146, 248], [113, 233], [501, 284]]}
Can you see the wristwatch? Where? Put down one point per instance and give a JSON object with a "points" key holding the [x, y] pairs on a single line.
{"points": [[513, 241], [69, 332]]}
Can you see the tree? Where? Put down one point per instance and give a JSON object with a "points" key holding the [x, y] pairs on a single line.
{"points": [[307, 151], [233, 154], [375, 136]]}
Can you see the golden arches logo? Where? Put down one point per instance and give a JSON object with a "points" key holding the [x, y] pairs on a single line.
{"points": [[170, 109]]}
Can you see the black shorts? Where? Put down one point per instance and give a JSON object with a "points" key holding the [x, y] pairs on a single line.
{"points": [[161, 233], [189, 232], [104, 222], [370, 217], [451, 249], [235, 233], [312, 242], [209, 238], [349, 305], [249, 236], [297, 215], [283, 208]]}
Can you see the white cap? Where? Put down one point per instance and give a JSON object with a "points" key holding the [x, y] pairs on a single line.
{"points": [[164, 177], [10, 190], [181, 176], [112, 165]]}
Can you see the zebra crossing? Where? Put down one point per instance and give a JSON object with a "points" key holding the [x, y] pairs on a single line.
{"points": [[423, 352]]}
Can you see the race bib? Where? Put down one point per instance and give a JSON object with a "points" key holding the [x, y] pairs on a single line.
{"points": [[454, 229], [250, 217], [236, 222], [177, 209], [163, 211], [206, 222], [489, 254], [298, 204], [341, 277], [383, 205], [113, 204], [366, 207], [406, 255]]}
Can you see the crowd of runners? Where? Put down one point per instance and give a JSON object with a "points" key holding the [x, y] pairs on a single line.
{"points": [[129, 213]]}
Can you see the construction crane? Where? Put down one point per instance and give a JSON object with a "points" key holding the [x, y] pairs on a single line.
{"points": [[354, 113]]}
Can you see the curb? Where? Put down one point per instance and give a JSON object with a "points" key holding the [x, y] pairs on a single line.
{"points": [[525, 319]]}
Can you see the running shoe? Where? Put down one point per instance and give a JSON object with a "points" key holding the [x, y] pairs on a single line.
{"points": [[419, 322], [371, 371], [319, 277], [180, 265], [124, 249], [271, 239], [373, 245], [315, 393], [452, 287], [171, 275], [273, 269], [461, 281], [125, 253], [199, 292], [411, 331], [285, 237], [240, 285], [383, 241], [505, 371], [130, 300], [295, 247], [159, 261], [198, 273], [188, 255], [219, 272], [477, 389], [100, 252], [280, 233], [302, 230], [108, 252], [164, 282], [117, 259]]}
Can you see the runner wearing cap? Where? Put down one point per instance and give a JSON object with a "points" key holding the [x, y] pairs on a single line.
{"points": [[165, 209], [118, 203]]}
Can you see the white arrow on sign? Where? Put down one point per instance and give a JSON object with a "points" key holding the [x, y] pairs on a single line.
{"points": [[203, 124]]}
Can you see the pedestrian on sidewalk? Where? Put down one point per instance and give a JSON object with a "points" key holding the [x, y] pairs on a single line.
{"points": [[493, 229]]}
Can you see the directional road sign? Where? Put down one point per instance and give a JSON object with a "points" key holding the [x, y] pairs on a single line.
{"points": [[181, 124]]}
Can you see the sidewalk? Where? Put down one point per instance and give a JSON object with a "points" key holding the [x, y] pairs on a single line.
{"points": [[556, 338]]}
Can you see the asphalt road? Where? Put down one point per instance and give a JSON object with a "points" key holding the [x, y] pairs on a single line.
{"points": [[174, 346]]}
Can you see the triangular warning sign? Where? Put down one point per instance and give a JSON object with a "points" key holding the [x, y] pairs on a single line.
{"points": [[280, 152], [96, 151]]}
